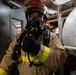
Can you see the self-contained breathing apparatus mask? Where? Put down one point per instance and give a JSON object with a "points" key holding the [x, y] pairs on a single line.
{"points": [[35, 27]]}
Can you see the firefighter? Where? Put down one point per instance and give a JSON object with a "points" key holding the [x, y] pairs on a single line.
{"points": [[36, 56]]}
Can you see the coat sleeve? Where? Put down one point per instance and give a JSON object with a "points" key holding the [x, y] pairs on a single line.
{"points": [[53, 56], [7, 62]]}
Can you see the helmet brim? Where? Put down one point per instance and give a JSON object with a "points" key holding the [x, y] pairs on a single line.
{"points": [[35, 9]]}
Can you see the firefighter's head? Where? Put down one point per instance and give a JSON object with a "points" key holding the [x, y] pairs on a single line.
{"points": [[36, 15]]}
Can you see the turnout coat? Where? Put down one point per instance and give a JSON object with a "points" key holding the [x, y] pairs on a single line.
{"points": [[52, 58]]}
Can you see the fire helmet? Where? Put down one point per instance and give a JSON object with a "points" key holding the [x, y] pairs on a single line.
{"points": [[37, 6]]}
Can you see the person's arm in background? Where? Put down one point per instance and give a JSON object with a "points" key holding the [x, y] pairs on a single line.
{"points": [[7, 62], [53, 56]]}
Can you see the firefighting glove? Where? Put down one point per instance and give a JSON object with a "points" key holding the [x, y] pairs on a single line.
{"points": [[30, 45]]}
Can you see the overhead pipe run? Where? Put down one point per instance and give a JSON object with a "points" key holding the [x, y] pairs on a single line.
{"points": [[50, 21], [62, 12], [12, 4], [67, 10]]}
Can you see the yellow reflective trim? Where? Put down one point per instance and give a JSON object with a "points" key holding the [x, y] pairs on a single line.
{"points": [[25, 59], [34, 59], [45, 54], [3, 72]]}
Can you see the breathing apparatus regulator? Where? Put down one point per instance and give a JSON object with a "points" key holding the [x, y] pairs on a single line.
{"points": [[35, 28]]}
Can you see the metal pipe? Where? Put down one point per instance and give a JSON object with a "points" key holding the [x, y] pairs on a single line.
{"points": [[67, 10], [50, 21], [10, 2], [62, 12], [70, 47]]}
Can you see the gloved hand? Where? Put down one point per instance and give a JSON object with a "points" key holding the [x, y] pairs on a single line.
{"points": [[30, 45]]}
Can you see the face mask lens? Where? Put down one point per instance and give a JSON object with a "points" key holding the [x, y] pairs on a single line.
{"points": [[36, 15]]}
